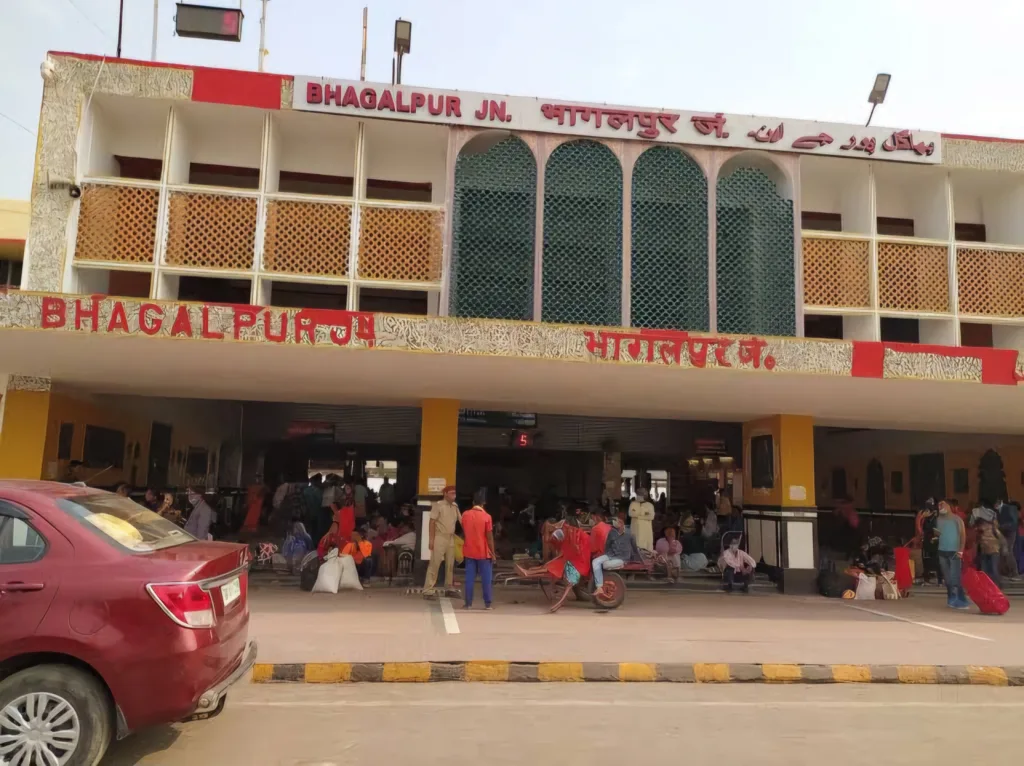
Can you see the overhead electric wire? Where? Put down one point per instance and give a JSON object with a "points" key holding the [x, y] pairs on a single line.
{"points": [[88, 18], [15, 122]]}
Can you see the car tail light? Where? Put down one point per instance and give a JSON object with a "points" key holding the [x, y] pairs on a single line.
{"points": [[186, 603]]}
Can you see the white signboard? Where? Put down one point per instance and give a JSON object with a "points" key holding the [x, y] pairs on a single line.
{"points": [[436, 486], [658, 125]]}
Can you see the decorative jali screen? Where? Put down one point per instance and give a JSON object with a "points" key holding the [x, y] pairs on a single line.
{"points": [[117, 224], [754, 256], [308, 238], [216, 231], [669, 282], [582, 263], [493, 231]]}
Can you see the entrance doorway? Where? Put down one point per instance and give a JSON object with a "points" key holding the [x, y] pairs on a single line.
{"points": [[927, 478], [159, 454]]}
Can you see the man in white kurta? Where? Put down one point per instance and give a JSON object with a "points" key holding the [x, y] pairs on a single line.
{"points": [[641, 520]]}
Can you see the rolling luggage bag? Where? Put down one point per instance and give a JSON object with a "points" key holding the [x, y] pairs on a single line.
{"points": [[982, 591]]}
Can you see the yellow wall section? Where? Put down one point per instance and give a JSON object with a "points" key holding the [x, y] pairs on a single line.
{"points": [[31, 429], [793, 441], [856, 468], [23, 437], [439, 441]]}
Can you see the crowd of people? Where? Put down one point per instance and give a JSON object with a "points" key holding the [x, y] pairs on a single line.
{"points": [[946, 539]]}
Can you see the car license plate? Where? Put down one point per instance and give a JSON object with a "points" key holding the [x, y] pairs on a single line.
{"points": [[230, 591]]}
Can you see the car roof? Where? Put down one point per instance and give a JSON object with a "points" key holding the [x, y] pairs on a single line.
{"points": [[50, 489]]}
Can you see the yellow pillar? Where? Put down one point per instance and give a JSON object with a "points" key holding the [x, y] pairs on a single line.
{"points": [[439, 445], [791, 483], [23, 434], [780, 509]]}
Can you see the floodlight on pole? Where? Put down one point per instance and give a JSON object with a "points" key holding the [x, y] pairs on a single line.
{"points": [[403, 45], [877, 95]]}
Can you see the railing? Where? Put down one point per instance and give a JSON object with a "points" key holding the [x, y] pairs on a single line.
{"points": [[211, 230], [990, 281], [117, 223], [913, 277], [401, 244], [837, 271], [308, 238]]}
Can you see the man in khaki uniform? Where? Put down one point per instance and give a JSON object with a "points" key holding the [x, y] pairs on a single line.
{"points": [[443, 517]]}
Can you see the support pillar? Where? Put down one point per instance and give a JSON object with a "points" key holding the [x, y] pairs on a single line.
{"points": [[780, 510], [24, 417], [439, 448]]}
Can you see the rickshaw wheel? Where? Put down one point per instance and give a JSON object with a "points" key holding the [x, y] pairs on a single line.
{"points": [[617, 586], [557, 593]]}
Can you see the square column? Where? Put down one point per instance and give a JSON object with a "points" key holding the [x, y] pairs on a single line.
{"points": [[780, 511], [439, 449], [24, 416]]}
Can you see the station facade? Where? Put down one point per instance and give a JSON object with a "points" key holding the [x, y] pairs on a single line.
{"points": [[200, 239]]}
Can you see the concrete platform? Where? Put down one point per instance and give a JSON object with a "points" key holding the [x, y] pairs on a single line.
{"points": [[387, 625]]}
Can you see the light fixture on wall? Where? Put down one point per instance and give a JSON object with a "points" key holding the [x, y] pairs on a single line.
{"points": [[877, 95]]}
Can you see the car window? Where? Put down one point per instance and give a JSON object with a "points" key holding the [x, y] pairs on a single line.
{"points": [[19, 542], [124, 522]]}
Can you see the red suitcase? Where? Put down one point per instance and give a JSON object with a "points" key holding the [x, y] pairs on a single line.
{"points": [[983, 592]]}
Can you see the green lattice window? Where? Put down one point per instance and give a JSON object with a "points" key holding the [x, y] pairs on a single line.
{"points": [[669, 269], [582, 263], [493, 225], [756, 283]]}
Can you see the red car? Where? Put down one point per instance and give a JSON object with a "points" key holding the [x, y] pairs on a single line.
{"points": [[112, 618]]}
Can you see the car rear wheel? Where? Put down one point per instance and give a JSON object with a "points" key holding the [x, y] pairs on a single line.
{"points": [[53, 714]]}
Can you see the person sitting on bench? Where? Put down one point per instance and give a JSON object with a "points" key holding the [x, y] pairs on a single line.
{"points": [[619, 548]]}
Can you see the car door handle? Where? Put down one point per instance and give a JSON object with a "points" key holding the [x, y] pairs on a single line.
{"points": [[21, 587]]}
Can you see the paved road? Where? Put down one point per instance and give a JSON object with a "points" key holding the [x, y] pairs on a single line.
{"points": [[591, 725]]}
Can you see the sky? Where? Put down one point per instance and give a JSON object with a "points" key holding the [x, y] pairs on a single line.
{"points": [[955, 65]]}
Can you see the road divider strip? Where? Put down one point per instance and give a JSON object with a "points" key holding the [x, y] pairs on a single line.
{"points": [[491, 671]]}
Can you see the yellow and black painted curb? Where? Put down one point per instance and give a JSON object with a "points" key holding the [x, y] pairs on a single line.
{"points": [[680, 673]]}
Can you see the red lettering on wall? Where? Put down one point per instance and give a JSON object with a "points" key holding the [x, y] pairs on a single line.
{"points": [[498, 111], [216, 335], [182, 323], [314, 93], [418, 100], [332, 94], [93, 313], [386, 101], [400, 105], [147, 325], [55, 313], [351, 98], [245, 318], [368, 98], [452, 106], [305, 327], [268, 332], [435, 107], [118, 318]]}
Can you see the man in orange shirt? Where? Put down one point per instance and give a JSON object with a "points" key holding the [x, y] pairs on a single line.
{"points": [[361, 552], [478, 551], [599, 534]]}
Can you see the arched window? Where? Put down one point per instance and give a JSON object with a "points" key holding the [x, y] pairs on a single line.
{"points": [[756, 292], [493, 225], [669, 243], [582, 263]]}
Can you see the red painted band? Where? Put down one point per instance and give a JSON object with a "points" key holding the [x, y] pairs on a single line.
{"points": [[868, 359], [225, 86]]}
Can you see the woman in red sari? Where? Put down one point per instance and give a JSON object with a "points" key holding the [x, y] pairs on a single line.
{"points": [[345, 518], [572, 563]]}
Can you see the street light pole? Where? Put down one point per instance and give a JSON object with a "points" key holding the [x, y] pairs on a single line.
{"points": [[156, 24], [263, 34], [120, 26]]}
